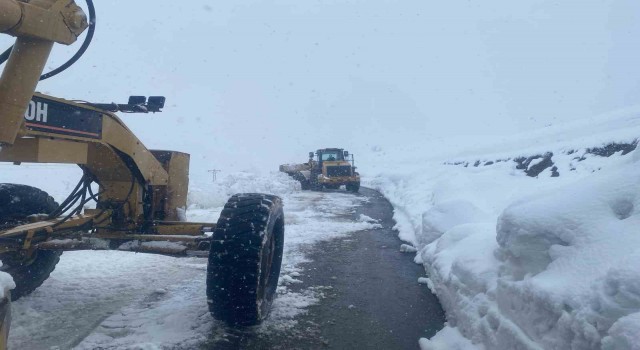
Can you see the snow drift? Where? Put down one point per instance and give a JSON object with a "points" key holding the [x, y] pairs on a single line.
{"points": [[570, 260], [530, 247]]}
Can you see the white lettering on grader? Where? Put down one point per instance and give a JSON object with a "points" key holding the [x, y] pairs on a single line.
{"points": [[37, 111]]}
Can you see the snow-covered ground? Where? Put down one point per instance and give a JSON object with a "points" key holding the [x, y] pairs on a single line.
{"points": [[517, 261], [122, 300], [533, 262], [522, 262]]}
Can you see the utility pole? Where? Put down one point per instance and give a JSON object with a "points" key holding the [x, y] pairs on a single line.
{"points": [[214, 172]]}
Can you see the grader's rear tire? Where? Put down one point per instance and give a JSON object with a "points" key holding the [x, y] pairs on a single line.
{"points": [[16, 203], [245, 259], [19, 201], [29, 275]]}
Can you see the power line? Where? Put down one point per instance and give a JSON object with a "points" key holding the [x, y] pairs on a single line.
{"points": [[214, 172]]}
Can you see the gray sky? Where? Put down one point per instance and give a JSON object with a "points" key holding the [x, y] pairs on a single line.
{"points": [[257, 83]]}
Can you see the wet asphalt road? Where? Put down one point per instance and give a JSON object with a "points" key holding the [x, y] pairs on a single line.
{"points": [[373, 300]]}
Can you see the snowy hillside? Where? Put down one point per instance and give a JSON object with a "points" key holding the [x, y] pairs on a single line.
{"points": [[532, 243]]}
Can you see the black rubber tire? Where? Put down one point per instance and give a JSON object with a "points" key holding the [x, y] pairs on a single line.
{"points": [[305, 185], [245, 259], [353, 187], [17, 202], [314, 185], [31, 274]]}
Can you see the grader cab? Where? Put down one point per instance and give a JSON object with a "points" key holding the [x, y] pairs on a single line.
{"points": [[140, 194]]}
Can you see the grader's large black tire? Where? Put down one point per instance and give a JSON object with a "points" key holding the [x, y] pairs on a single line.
{"points": [[16, 203], [29, 275], [245, 259], [19, 201], [353, 187]]}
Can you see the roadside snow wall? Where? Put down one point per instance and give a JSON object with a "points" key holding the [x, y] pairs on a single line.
{"points": [[570, 263], [528, 263]]}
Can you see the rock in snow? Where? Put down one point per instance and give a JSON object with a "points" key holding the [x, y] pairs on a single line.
{"points": [[405, 248]]}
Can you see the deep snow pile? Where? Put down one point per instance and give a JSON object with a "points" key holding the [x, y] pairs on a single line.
{"points": [[529, 263], [570, 262], [205, 195]]}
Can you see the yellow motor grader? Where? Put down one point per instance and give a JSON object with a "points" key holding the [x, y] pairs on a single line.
{"points": [[333, 167], [140, 194]]}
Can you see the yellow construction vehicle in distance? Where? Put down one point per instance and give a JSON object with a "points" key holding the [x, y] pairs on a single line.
{"points": [[328, 168]]}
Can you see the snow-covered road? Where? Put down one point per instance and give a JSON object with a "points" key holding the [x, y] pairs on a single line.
{"points": [[120, 300]]}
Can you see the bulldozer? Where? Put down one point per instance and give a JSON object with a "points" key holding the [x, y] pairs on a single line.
{"points": [[140, 194], [328, 168]]}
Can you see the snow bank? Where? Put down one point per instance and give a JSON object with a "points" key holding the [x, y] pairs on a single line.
{"points": [[449, 338], [570, 260], [215, 194], [205, 196], [529, 262]]}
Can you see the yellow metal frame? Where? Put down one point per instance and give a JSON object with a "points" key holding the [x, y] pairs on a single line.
{"points": [[336, 180], [141, 182], [36, 25], [342, 180], [118, 161]]}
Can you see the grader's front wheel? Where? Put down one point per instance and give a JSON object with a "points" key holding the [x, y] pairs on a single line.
{"points": [[245, 259]]}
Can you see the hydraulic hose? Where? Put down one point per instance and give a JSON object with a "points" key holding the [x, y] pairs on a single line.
{"points": [[83, 48]]}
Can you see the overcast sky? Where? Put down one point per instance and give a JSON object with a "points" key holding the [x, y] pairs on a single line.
{"points": [[257, 83]]}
